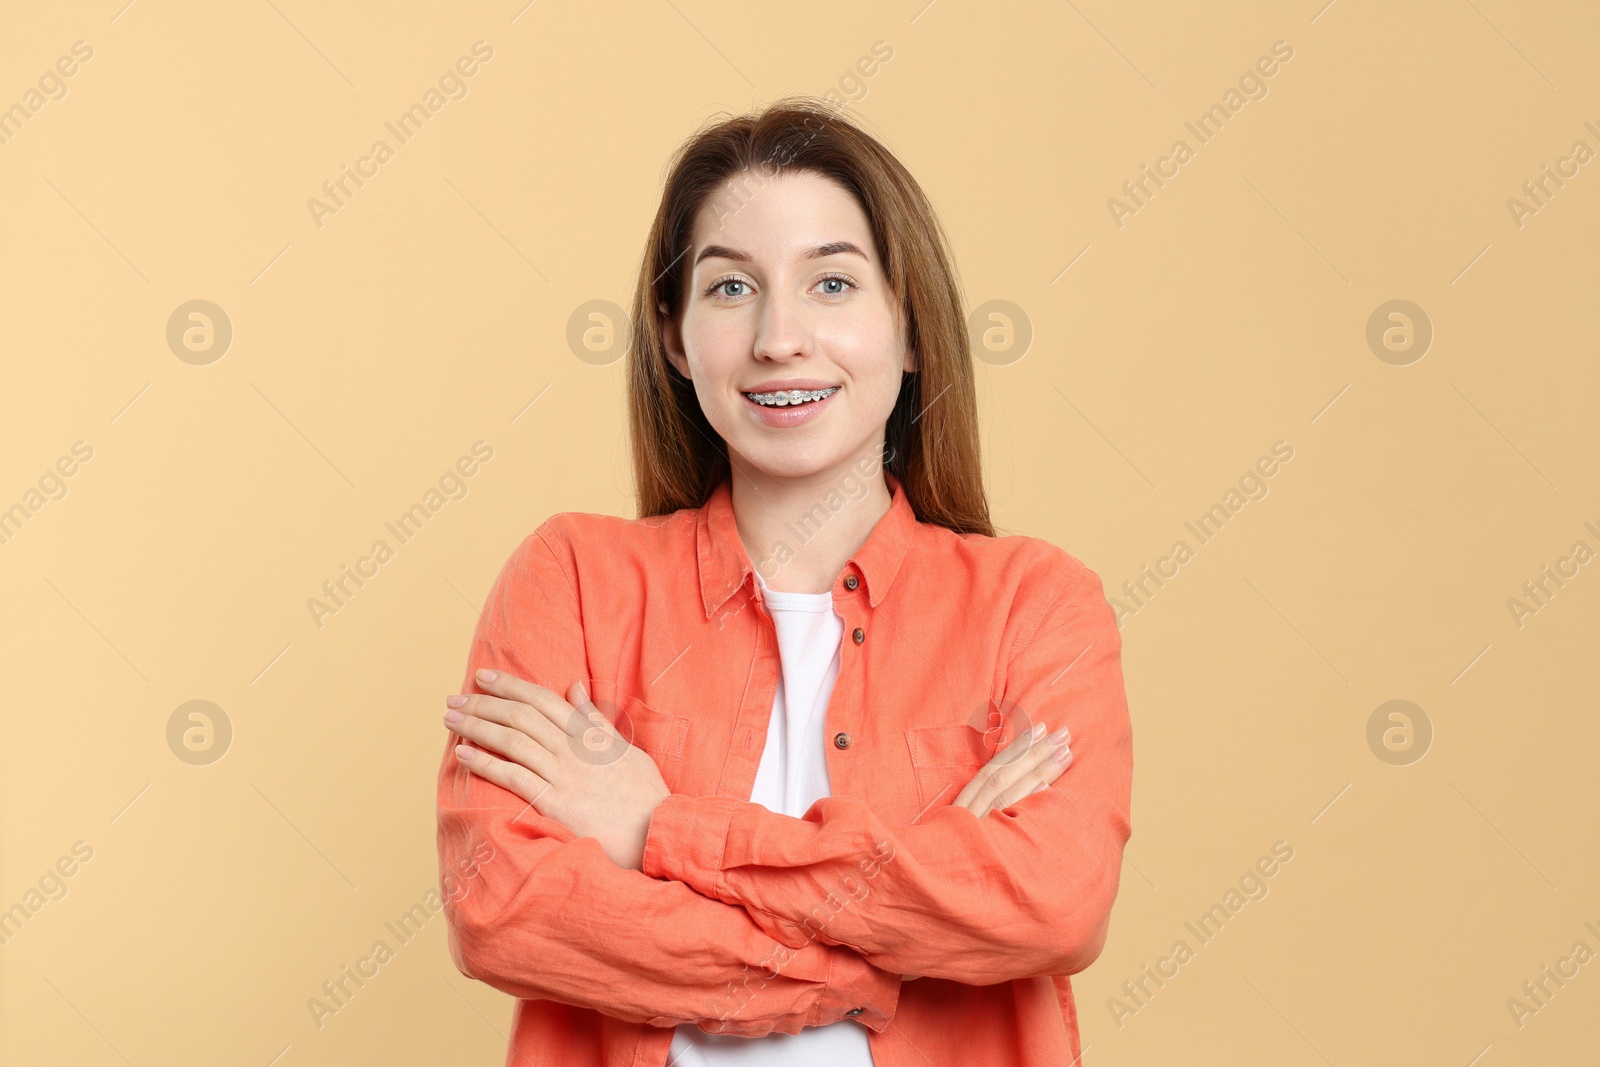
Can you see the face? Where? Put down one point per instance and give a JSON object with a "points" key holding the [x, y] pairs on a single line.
{"points": [[786, 292]]}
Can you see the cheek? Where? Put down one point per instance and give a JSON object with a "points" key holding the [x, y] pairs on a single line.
{"points": [[712, 346], [872, 354]]}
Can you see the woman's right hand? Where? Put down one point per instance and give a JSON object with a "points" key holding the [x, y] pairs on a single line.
{"points": [[1022, 768]]}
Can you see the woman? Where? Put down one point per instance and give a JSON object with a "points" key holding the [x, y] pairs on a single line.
{"points": [[763, 775]]}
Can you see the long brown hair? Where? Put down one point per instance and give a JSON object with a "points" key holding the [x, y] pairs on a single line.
{"points": [[931, 440]]}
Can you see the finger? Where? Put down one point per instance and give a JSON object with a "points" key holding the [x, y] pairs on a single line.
{"points": [[516, 715], [1037, 765], [510, 776], [1017, 761], [1040, 778], [591, 734], [506, 741], [546, 701], [588, 719], [973, 794]]}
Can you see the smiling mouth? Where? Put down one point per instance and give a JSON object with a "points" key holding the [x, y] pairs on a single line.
{"points": [[791, 397]]}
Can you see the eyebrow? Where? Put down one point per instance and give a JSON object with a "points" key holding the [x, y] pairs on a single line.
{"points": [[832, 248]]}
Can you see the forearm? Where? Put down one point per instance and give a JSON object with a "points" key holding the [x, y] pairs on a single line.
{"points": [[550, 916], [545, 915], [975, 901], [1026, 890]]}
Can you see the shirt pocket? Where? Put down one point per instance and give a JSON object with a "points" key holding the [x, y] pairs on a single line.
{"points": [[944, 759], [662, 734]]}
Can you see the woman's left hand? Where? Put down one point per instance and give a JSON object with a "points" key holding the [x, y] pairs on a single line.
{"points": [[571, 765]]}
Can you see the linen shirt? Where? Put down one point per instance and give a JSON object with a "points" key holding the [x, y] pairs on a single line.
{"points": [[793, 775], [748, 921]]}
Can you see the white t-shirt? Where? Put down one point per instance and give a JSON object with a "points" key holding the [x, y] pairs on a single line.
{"points": [[792, 776]]}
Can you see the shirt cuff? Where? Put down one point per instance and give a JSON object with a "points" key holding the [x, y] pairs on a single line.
{"points": [[687, 839], [858, 990]]}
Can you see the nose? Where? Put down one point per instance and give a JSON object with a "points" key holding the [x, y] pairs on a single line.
{"points": [[783, 329]]}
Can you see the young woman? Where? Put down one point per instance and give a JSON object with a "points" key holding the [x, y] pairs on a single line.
{"points": [[778, 772]]}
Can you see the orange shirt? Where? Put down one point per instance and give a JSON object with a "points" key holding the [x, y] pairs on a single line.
{"points": [[750, 922]]}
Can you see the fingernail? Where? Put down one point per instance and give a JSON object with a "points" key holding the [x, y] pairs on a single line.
{"points": [[1060, 735], [1062, 754], [1037, 731], [583, 694], [463, 752], [455, 701], [453, 716], [1037, 788], [486, 675]]}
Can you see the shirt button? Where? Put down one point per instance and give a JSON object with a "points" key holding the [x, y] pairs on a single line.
{"points": [[853, 1011], [859, 636], [850, 582], [841, 741]]}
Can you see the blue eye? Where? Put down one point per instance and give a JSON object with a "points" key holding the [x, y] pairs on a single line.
{"points": [[720, 286], [721, 283]]}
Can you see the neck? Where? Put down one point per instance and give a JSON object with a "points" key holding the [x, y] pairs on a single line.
{"points": [[800, 532]]}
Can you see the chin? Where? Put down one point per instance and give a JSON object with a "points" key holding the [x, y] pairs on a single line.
{"points": [[790, 462]]}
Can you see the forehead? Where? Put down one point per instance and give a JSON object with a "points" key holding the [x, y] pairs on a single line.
{"points": [[782, 217]]}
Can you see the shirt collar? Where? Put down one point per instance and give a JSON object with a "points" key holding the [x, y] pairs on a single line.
{"points": [[725, 565]]}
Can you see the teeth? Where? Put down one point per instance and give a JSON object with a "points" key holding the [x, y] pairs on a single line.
{"points": [[787, 397]]}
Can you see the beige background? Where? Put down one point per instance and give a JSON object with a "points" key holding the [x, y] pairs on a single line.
{"points": [[1228, 313]]}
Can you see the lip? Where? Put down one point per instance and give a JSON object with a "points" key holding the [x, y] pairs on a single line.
{"points": [[789, 416], [773, 385]]}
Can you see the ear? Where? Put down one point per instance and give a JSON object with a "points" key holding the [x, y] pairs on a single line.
{"points": [[908, 361], [672, 340]]}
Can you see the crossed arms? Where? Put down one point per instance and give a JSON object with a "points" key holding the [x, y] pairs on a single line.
{"points": [[722, 926]]}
